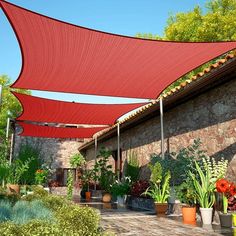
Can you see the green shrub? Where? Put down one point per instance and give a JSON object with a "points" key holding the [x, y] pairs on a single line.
{"points": [[69, 219], [39, 228], [29, 154], [181, 162], [55, 202], [38, 193], [70, 184], [10, 229], [78, 220], [132, 168]]}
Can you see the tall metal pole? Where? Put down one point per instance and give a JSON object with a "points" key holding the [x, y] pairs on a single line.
{"points": [[7, 129], [95, 156], [12, 147], [118, 150], [162, 129]]}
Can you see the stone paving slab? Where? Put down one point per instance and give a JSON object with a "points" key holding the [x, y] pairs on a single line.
{"points": [[125, 222], [131, 223]]}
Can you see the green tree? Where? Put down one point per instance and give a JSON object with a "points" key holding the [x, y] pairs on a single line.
{"points": [[215, 23], [10, 106]]}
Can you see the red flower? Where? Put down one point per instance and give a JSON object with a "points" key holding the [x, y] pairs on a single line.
{"points": [[222, 186], [232, 189]]}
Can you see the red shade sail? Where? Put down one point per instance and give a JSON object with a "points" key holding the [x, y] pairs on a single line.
{"points": [[52, 111], [57, 132], [62, 57]]}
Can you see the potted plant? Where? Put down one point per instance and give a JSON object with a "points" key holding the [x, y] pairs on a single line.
{"points": [[159, 189], [120, 189], [227, 190], [204, 181], [41, 176], [103, 173], [187, 196], [76, 161], [16, 169], [86, 178]]}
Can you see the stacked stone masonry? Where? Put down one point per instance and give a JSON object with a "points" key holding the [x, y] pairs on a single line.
{"points": [[210, 116]]}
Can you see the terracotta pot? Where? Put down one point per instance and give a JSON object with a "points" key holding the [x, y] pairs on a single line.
{"points": [[106, 197], [87, 195], [189, 214], [107, 205], [13, 188], [225, 220], [161, 208]]}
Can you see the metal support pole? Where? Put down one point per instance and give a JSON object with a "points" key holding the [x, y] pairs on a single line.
{"points": [[118, 151], [12, 147], [162, 129], [95, 156], [8, 128]]}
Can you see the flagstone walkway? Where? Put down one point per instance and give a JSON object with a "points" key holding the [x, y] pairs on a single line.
{"points": [[125, 222]]}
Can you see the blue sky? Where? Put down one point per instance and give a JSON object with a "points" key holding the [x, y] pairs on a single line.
{"points": [[125, 17]]}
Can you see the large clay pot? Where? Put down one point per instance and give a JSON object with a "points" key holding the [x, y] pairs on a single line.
{"points": [[13, 188], [161, 208], [87, 195], [206, 214], [106, 197], [225, 220], [189, 214]]}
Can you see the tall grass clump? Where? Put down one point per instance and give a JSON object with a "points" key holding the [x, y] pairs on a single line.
{"points": [[5, 210], [23, 212]]}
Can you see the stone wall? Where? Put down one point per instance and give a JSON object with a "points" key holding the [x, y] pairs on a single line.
{"points": [[210, 117], [59, 150]]}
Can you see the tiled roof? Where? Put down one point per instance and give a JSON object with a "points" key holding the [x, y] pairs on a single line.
{"points": [[168, 94]]}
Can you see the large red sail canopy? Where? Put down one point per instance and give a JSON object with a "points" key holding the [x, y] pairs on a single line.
{"points": [[56, 132], [53, 111], [62, 57]]}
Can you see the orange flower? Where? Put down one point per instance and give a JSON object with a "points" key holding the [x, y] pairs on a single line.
{"points": [[222, 186]]}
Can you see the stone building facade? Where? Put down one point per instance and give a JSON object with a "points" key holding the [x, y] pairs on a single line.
{"points": [[205, 109], [55, 152]]}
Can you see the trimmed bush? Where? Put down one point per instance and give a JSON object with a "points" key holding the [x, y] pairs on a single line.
{"points": [[81, 220]]}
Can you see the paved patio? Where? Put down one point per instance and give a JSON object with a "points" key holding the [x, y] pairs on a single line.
{"points": [[122, 221]]}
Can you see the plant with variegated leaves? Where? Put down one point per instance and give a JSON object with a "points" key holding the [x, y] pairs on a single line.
{"points": [[205, 178]]}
